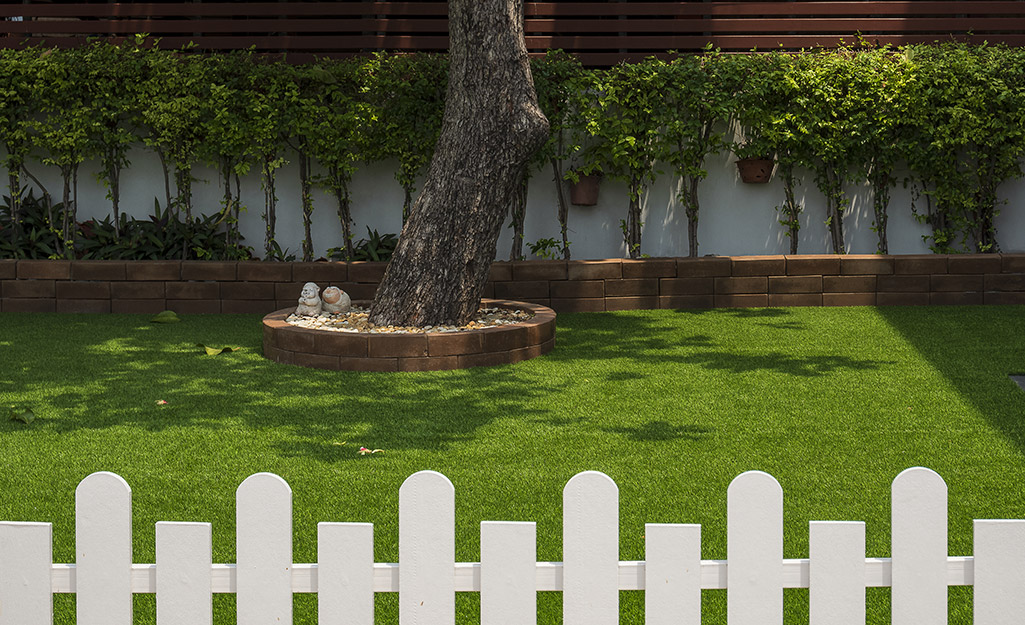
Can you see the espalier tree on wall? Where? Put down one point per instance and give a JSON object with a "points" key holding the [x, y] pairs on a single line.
{"points": [[952, 115]]}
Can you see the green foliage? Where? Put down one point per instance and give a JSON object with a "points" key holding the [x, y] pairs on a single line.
{"points": [[624, 122], [173, 113], [336, 117], [548, 248], [34, 236], [954, 112], [967, 115], [376, 247], [17, 106], [561, 85], [23, 414], [407, 96], [63, 130], [167, 316], [841, 113], [699, 99], [162, 236], [274, 102], [115, 75]]}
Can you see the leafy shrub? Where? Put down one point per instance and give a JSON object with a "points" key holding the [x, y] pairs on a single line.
{"points": [[161, 236], [376, 247]]}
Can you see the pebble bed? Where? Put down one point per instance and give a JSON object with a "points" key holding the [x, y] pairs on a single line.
{"points": [[357, 320]]}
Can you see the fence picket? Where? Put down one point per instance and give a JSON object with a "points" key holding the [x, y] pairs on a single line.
{"points": [[508, 572], [672, 574], [837, 573], [264, 550], [427, 550], [754, 550], [590, 550], [345, 573], [999, 595], [103, 550], [183, 574], [508, 576], [26, 557], [919, 548]]}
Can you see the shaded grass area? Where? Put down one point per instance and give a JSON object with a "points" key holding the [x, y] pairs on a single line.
{"points": [[671, 404]]}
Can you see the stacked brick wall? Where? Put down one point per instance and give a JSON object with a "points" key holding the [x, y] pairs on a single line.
{"points": [[565, 286]]}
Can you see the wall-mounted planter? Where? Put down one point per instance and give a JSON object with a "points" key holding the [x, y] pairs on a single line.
{"points": [[755, 170], [584, 192]]}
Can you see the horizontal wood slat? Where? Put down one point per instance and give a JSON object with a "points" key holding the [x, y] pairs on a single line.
{"points": [[601, 33]]}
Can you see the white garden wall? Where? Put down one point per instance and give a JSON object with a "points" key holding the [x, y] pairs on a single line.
{"points": [[736, 218]]}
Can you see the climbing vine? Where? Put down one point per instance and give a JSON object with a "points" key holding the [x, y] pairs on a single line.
{"points": [[968, 137], [845, 118]]}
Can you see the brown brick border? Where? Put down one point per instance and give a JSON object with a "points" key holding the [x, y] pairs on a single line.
{"points": [[433, 351], [566, 286]]}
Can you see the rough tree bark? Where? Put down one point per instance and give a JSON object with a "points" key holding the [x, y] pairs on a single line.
{"points": [[492, 125]]}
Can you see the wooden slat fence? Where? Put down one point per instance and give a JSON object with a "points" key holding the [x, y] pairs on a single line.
{"points": [[427, 576], [600, 33]]}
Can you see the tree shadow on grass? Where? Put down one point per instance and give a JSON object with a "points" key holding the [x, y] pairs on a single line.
{"points": [[103, 371], [661, 431], [111, 370], [803, 366], [644, 337]]}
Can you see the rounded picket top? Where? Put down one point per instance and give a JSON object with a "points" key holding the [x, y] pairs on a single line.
{"points": [[591, 481], [918, 536], [264, 485], [103, 484], [754, 482], [590, 549], [918, 479], [430, 482]]}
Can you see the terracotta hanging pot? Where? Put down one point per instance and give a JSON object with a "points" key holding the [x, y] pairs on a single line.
{"points": [[755, 170], [584, 192]]}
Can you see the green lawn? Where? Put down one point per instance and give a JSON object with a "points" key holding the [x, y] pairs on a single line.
{"points": [[834, 402]]}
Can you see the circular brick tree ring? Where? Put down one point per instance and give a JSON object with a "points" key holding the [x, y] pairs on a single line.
{"points": [[430, 351]]}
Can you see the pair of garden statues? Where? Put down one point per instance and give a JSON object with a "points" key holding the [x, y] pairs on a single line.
{"points": [[312, 303]]}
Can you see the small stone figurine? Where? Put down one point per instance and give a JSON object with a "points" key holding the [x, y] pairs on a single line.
{"points": [[309, 301], [336, 300]]}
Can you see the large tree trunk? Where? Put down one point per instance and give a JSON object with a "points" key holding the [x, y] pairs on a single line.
{"points": [[491, 127]]}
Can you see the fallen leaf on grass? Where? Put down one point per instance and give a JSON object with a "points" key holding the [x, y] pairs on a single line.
{"points": [[23, 414], [213, 351], [167, 316], [363, 451]]}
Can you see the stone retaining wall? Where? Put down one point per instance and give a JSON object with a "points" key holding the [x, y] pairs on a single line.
{"points": [[589, 285]]}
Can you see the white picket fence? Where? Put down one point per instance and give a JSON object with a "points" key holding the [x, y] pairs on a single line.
{"points": [[508, 576]]}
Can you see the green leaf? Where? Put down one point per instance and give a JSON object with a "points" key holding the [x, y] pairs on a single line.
{"points": [[213, 351], [23, 414], [167, 316]]}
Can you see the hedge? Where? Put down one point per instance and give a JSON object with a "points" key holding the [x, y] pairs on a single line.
{"points": [[952, 115]]}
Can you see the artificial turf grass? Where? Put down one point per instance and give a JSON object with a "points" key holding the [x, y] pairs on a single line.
{"points": [[671, 404]]}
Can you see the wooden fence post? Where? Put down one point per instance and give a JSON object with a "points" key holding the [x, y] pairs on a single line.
{"points": [[263, 537], [754, 550], [183, 574], [919, 548], [26, 558], [590, 550], [837, 573], [345, 573], [999, 594], [672, 574], [103, 550], [508, 573], [427, 550]]}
